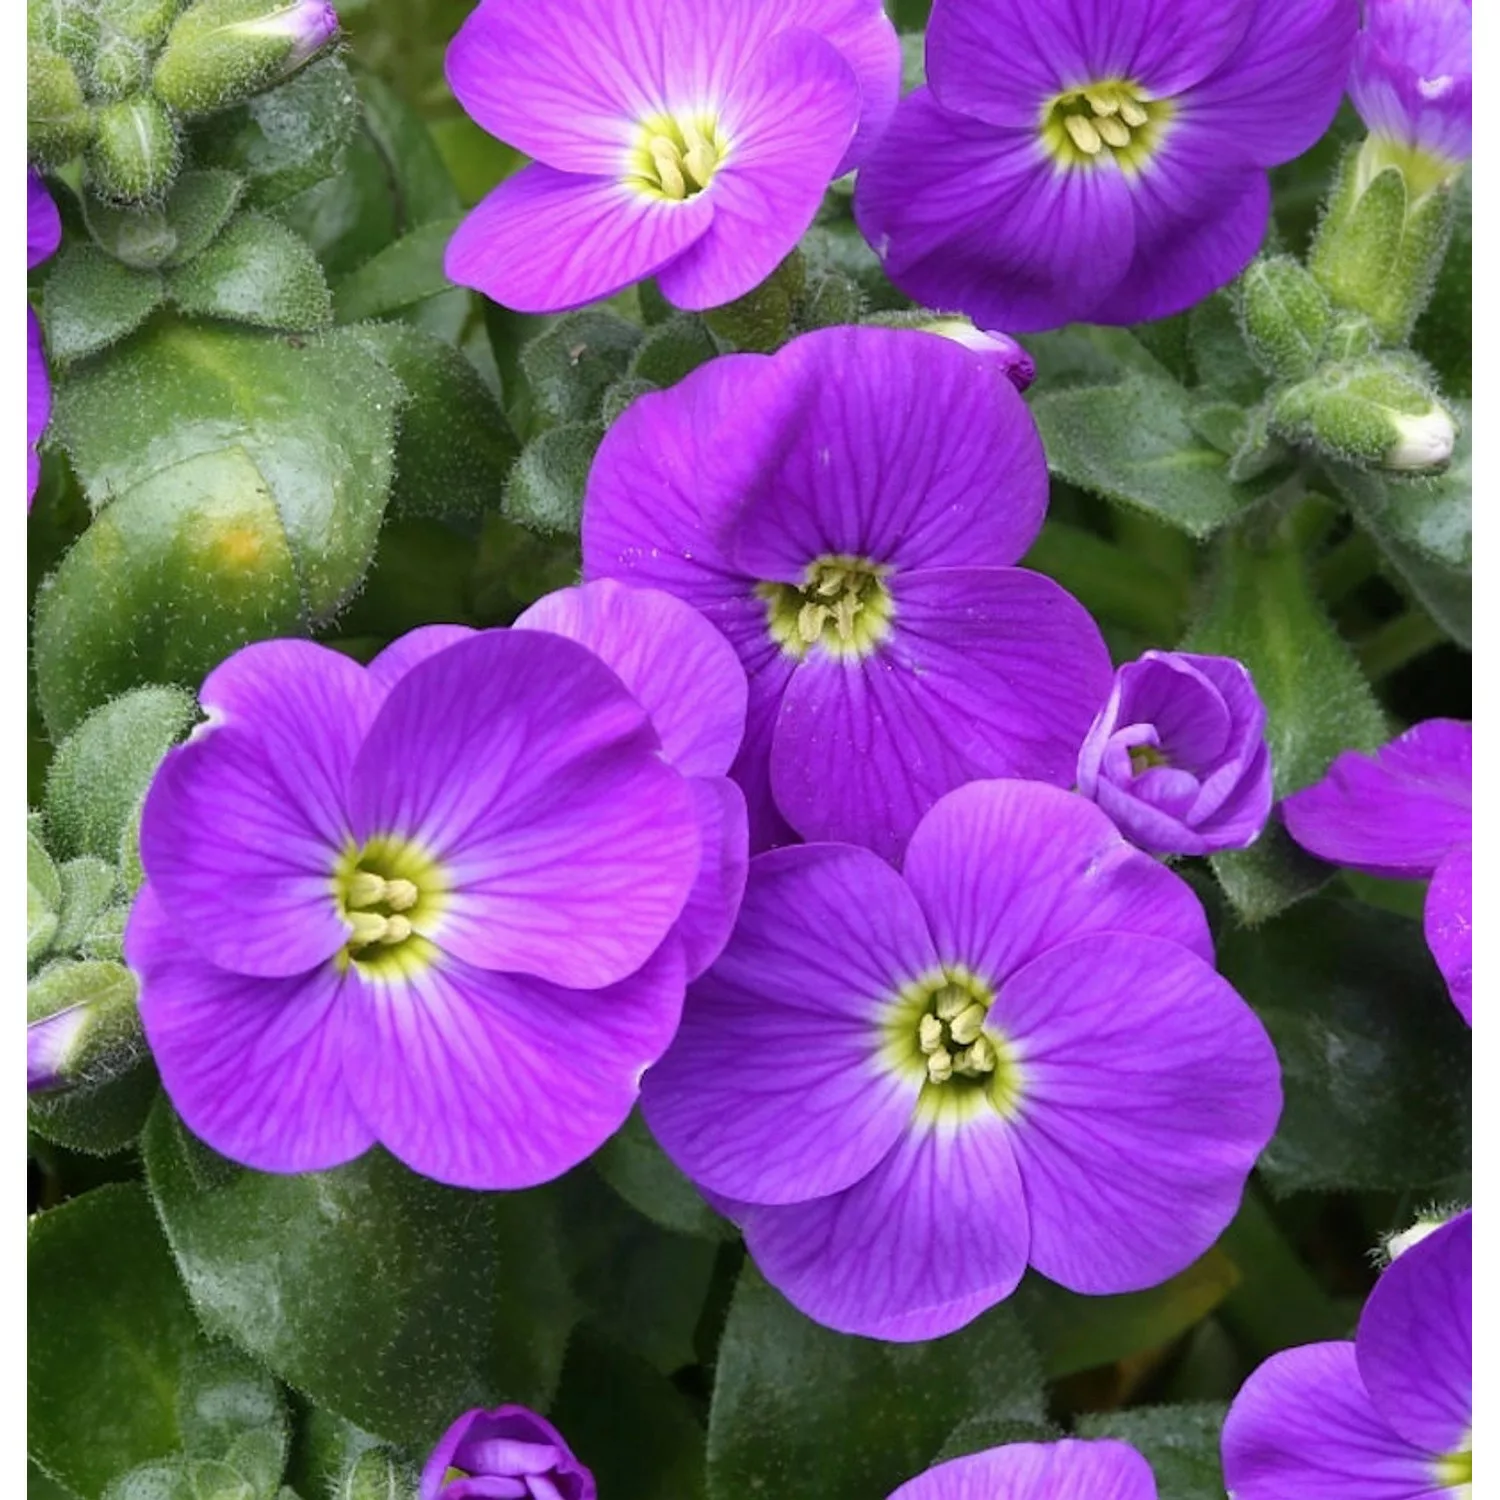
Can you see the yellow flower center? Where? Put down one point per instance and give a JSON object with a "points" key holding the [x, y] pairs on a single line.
{"points": [[1456, 1470], [675, 156], [1109, 121], [843, 606], [390, 893]]}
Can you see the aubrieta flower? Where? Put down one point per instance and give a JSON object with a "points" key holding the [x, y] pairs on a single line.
{"points": [[431, 912], [688, 679], [43, 235], [1405, 813], [1098, 161], [1412, 84], [906, 1087], [1389, 1415], [1178, 755], [847, 512], [690, 140], [1068, 1470], [509, 1453]]}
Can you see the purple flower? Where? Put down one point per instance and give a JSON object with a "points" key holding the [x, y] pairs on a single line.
{"points": [[906, 1087], [1405, 813], [1389, 1415], [847, 512], [1067, 1470], [43, 235], [1178, 756], [509, 1453], [1411, 80], [1098, 161], [688, 679], [430, 910], [690, 140]]}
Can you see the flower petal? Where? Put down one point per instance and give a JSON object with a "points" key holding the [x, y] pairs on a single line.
{"points": [[1281, 86], [1394, 814], [774, 1090], [546, 241], [1415, 1340], [518, 761], [1004, 61], [1448, 921], [714, 902], [1068, 1470], [988, 672], [487, 1080], [1147, 1090], [980, 218], [933, 1236], [43, 222], [1302, 1425], [406, 651], [38, 401], [1006, 870], [254, 1066], [789, 119], [679, 668], [959, 480], [243, 825]]}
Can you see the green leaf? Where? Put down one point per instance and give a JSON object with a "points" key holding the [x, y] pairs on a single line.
{"points": [[43, 898], [801, 1410], [424, 187], [287, 139], [569, 365], [1083, 354], [1263, 610], [227, 1401], [1074, 1333], [251, 476], [258, 272], [1221, 358], [644, 1176], [184, 1479], [404, 273], [1374, 1056], [108, 1333], [1134, 442], [628, 1423], [100, 772], [88, 887], [454, 449], [196, 209], [1447, 594], [671, 351], [546, 487], [90, 301], [1181, 1443], [390, 1299]]}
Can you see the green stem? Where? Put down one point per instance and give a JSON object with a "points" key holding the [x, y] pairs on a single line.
{"points": [[1343, 568], [1114, 585], [1398, 642]]}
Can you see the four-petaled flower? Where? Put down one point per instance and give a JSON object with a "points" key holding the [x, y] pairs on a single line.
{"points": [[689, 140], [1097, 160], [908, 1087]]}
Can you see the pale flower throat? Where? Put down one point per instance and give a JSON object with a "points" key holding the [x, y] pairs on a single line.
{"points": [[675, 156], [1109, 121], [843, 606]]}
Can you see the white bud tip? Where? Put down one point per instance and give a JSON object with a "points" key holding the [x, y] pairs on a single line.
{"points": [[1423, 442]]}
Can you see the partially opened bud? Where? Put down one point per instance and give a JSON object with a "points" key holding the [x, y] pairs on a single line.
{"points": [[82, 1025], [1424, 441], [1426, 1223], [221, 52], [1019, 367], [507, 1451]]}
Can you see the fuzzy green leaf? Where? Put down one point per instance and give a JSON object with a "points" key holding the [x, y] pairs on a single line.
{"points": [[546, 487], [258, 272], [90, 301]]}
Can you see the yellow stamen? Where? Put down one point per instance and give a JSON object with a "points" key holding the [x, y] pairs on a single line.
{"points": [[1085, 136]]}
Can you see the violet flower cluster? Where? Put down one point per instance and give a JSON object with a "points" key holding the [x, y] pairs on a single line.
{"points": [[1405, 813], [43, 235], [1388, 1414]]}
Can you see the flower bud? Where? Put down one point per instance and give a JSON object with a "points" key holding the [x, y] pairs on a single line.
{"points": [[82, 1025], [58, 122], [136, 152], [1371, 413], [1286, 317], [1177, 757], [511, 1444], [1019, 367], [221, 52], [1432, 1219]]}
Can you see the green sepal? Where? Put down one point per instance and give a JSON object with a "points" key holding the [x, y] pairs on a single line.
{"points": [[70, 27], [90, 300], [259, 272], [149, 237], [59, 123], [763, 320], [546, 487], [1379, 248], [145, 22], [136, 151], [621, 396], [89, 887], [119, 67], [829, 300], [1286, 317], [377, 1474], [1379, 412]]}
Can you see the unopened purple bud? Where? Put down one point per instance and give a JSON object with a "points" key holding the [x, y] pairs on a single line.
{"points": [[1412, 77], [1018, 365], [1178, 755], [311, 25], [509, 1453], [50, 1043]]}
